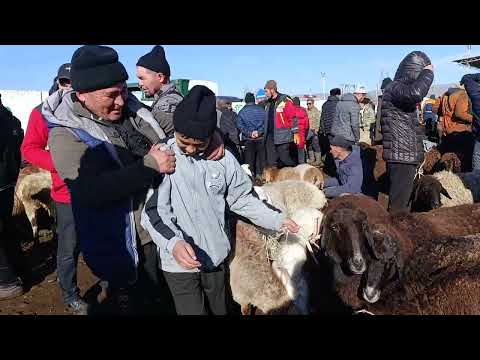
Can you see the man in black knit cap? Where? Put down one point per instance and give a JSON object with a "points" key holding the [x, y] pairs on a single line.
{"points": [[186, 215], [153, 72], [105, 145]]}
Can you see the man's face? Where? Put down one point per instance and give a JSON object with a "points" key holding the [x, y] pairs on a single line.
{"points": [[336, 151], [360, 97], [191, 146], [106, 103], [229, 106], [64, 84], [270, 92], [150, 81], [309, 104]]}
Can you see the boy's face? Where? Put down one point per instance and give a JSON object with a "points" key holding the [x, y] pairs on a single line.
{"points": [[191, 146]]}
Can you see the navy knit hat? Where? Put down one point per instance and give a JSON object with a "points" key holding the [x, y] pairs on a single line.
{"points": [[249, 98], [155, 60], [340, 141], [196, 116], [96, 67]]}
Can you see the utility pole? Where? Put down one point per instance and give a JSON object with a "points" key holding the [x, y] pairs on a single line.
{"points": [[323, 84]]}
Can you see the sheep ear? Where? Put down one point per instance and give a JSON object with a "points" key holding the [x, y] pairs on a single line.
{"points": [[383, 247], [445, 193]]}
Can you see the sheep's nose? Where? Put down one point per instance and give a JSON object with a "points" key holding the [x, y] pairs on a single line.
{"points": [[358, 262]]}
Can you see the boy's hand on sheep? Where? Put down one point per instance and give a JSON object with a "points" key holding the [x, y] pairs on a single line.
{"points": [[164, 157], [216, 148], [185, 255], [290, 226]]}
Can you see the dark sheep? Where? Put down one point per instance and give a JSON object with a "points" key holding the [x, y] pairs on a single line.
{"points": [[388, 244]]}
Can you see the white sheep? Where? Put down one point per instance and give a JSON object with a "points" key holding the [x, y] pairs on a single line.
{"points": [[291, 195], [280, 286], [304, 172]]}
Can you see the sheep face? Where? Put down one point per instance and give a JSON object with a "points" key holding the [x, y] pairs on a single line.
{"points": [[381, 256], [426, 194], [342, 239]]}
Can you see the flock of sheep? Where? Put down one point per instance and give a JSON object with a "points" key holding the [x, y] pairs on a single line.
{"points": [[350, 256]]}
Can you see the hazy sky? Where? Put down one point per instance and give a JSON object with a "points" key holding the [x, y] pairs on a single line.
{"points": [[297, 69]]}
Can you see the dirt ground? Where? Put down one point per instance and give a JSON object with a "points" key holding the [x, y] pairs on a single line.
{"points": [[42, 295]]}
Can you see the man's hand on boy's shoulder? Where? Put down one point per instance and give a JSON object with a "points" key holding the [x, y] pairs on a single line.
{"points": [[290, 226], [165, 158], [216, 149], [185, 255]]}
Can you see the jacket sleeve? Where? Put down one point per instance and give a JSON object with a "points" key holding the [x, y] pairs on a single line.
{"points": [[352, 185], [242, 202], [165, 120], [241, 124], [158, 218], [355, 123], [462, 110], [415, 92], [473, 90], [86, 178], [289, 111], [35, 141]]}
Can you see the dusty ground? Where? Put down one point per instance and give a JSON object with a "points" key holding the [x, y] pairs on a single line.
{"points": [[42, 296]]}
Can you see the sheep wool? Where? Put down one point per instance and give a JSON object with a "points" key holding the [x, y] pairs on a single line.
{"points": [[463, 188]]}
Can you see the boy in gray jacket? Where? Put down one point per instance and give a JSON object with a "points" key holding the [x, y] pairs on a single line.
{"points": [[186, 214]]}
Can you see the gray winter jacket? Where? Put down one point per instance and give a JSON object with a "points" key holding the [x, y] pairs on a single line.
{"points": [[191, 204], [164, 105], [281, 135], [347, 118]]}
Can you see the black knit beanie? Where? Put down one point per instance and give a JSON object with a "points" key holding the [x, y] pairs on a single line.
{"points": [[385, 82], [155, 60], [249, 98], [196, 116], [96, 67]]}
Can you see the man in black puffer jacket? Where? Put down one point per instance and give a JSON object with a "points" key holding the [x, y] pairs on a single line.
{"points": [[402, 137], [326, 120]]}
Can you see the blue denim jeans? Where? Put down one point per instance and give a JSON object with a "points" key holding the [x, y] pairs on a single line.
{"points": [[476, 156], [67, 253]]}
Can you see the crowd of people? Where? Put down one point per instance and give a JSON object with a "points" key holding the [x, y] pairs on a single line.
{"points": [[146, 193]]}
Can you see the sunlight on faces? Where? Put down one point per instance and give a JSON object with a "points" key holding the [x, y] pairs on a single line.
{"points": [[106, 103], [191, 146], [359, 97], [150, 81], [270, 92]]}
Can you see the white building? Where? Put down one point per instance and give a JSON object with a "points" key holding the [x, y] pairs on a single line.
{"points": [[22, 102]]}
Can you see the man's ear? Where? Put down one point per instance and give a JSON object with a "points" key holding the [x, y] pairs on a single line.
{"points": [[80, 96]]}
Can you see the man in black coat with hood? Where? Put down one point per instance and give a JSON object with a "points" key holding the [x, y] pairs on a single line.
{"points": [[11, 137], [402, 135]]}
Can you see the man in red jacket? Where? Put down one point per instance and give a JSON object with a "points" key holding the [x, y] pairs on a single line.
{"points": [[33, 150], [301, 124]]}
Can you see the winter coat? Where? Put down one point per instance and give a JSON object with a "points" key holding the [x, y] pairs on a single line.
{"points": [[107, 182], [349, 176], [164, 105], [472, 86], [251, 118], [402, 135], [455, 111], [11, 137], [300, 126], [347, 119], [34, 151], [314, 118], [327, 117], [191, 204], [282, 118], [228, 126]]}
